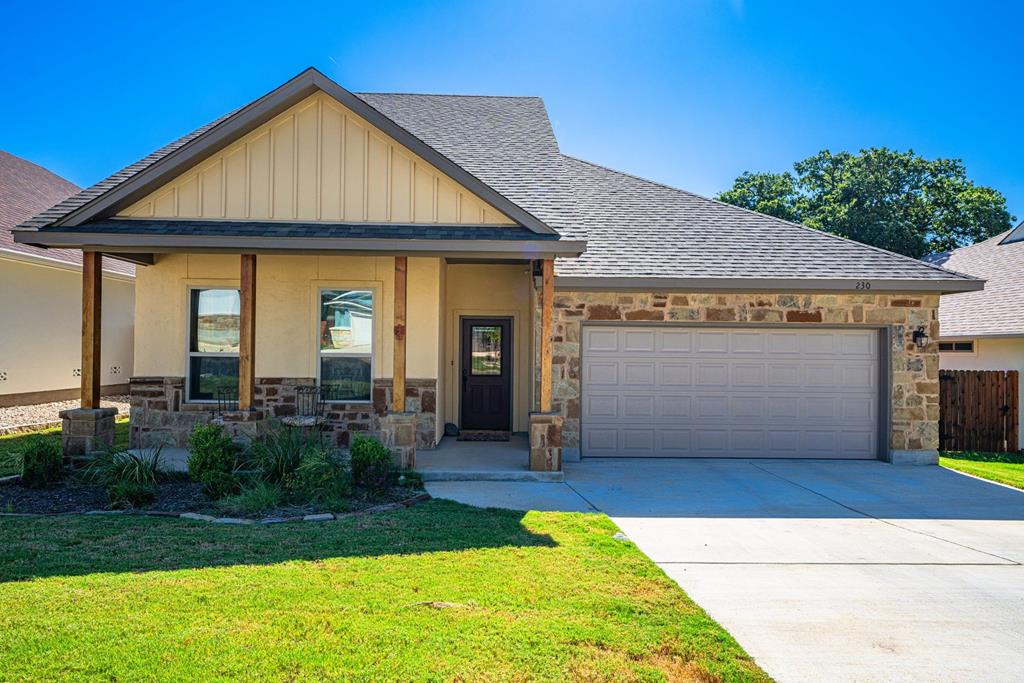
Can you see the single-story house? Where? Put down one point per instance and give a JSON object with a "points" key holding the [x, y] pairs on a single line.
{"points": [[433, 259], [40, 300], [984, 329]]}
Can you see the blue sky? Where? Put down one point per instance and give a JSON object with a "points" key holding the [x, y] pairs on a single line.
{"points": [[687, 93]]}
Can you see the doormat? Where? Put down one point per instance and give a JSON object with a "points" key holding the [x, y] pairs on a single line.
{"points": [[483, 435]]}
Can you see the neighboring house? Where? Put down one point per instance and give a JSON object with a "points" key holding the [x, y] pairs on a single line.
{"points": [[40, 299], [984, 330], [431, 259]]}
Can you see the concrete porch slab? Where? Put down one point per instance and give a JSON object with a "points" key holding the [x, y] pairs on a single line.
{"points": [[173, 459], [454, 460]]}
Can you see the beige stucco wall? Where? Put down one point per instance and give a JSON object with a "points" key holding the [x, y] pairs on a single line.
{"points": [[482, 290], [40, 336], [991, 354], [287, 290], [317, 161]]}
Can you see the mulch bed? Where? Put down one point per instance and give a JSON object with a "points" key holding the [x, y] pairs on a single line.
{"points": [[70, 496]]}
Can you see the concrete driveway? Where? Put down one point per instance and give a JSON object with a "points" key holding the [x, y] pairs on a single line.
{"points": [[823, 571]]}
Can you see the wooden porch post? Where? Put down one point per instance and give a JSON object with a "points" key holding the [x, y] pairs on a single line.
{"points": [[92, 319], [547, 306], [247, 330], [398, 375]]}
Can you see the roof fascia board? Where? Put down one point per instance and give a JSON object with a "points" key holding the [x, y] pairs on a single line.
{"points": [[980, 335], [765, 284], [262, 110], [111, 242], [48, 262]]}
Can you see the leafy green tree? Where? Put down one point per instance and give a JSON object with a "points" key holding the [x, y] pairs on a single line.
{"points": [[893, 200]]}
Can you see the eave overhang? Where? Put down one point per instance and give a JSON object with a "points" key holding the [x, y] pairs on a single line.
{"points": [[766, 284], [384, 243]]}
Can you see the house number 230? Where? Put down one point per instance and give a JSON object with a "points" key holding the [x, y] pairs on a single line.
{"points": [[863, 285]]}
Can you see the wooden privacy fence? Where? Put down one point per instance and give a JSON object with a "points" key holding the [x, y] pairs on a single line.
{"points": [[978, 410]]}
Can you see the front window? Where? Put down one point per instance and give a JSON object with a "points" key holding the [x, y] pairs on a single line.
{"points": [[346, 344], [214, 316]]}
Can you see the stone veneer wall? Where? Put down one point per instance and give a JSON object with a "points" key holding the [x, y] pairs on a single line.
{"points": [[160, 416], [915, 372]]}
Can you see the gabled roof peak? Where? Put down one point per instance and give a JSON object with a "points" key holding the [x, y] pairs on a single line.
{"points": [[135, 181]]}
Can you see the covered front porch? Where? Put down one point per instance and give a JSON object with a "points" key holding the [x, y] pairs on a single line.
{"points": [[415, 384]]}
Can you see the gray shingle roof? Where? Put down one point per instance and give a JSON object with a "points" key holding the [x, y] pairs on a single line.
{"points": [[61, 209], [506, 142], [999, 308], [26, 189], [637, 228]]}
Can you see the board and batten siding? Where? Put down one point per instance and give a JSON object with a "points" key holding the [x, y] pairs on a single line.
{"points": [[317, 161]]}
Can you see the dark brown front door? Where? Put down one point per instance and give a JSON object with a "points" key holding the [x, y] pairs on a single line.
{"points": [[486, 373]]}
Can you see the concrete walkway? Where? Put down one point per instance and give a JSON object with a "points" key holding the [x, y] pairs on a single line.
{"points": [[824, 571]]}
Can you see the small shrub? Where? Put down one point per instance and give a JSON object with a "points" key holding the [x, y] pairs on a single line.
{"points": [[217, 485], [371, 462], [129, 478], [210, 450], [42, 462], [253, 499], [130, 494], [322, 477], [410, 479], [279, 452]]}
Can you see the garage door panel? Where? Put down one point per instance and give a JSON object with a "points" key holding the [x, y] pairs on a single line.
{"points": [[675, 374], [676, 340], [638, 374], [712, 374], [748, 375], [602, 372], [674, 406], [729, 392]]}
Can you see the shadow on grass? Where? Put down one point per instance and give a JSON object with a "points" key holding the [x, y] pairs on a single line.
{"points": [[77, 545]]}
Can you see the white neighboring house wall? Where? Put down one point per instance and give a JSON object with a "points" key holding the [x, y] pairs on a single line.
{"points": [[40, 329], [991, 354]]}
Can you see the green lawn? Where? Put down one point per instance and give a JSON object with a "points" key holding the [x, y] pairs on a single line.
{"points": [[534, 597], [10, 444], [1006, 468]]}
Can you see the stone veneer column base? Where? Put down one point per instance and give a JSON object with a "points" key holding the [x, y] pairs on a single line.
{"points": [[546, 442], [398, 433], [241, 425], [902, 457], [86, 430]]}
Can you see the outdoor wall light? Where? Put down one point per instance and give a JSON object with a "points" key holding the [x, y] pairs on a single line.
{"points": [[921, 338]]}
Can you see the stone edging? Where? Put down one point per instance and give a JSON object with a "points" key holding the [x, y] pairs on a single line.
{"points": [[321, 517]]}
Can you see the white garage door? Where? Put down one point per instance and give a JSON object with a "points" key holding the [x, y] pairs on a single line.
{"points": [[729, 392]]}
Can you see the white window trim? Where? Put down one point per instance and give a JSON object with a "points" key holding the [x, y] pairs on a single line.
{"points": [[189, 353], [319, 353]]}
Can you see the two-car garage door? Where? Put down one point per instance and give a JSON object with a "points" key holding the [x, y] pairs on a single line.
{"points": [[730, 392]]}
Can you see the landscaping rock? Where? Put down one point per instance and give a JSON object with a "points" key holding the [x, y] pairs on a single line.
{"points": [[323, 517], [196, 516], [232, 520]]}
